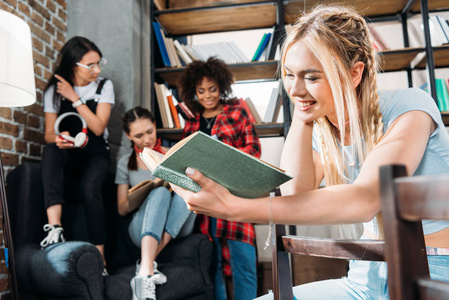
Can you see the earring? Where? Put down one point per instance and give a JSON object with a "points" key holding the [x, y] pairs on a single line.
{"points": [[195, 98]]}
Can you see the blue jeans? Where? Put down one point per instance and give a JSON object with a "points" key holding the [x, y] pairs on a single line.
{"points": [[365, 280], [158, 213], [243, 266]]}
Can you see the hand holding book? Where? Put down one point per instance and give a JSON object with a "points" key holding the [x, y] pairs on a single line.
{"points": [[242, 174]]}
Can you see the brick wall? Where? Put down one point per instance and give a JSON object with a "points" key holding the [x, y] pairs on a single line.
{"points": [[22, 129]]}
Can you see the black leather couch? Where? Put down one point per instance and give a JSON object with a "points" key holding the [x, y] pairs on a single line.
{"points": [[72, 270]]}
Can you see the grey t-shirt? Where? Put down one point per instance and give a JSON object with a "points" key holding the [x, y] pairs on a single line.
{"points": [[436, 156], [125, 176]]}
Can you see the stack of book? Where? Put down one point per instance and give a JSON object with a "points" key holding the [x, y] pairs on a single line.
{"points": [[175, 54], [270, 111], [263, 49], [228, 52], [274, 106], [167, 103]]}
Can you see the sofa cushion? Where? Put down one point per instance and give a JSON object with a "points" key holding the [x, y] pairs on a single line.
{"points": [[184, 261]]}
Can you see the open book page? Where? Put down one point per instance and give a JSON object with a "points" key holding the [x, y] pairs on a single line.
{"points": [[138, 193], [153, 158]]}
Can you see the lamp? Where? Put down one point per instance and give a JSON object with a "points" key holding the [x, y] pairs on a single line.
{"points": [[17, 88]]}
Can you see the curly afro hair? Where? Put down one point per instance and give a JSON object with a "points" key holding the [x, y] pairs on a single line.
{"points": [[213, 69]]}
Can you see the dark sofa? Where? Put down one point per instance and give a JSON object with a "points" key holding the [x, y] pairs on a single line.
{"points": [[72, 270]]}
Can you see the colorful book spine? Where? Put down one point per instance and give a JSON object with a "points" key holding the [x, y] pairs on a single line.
{"points": [[442, 94], [263, 43], [184, 111], [173, 111], [165, 93], [161, 43]]}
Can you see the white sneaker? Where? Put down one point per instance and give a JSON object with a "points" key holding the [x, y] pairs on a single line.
{"points": [[143, 288], [54, 236], [158, 277]]}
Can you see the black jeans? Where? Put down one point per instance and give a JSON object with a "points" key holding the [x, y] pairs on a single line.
{"points": [[66, 173]]}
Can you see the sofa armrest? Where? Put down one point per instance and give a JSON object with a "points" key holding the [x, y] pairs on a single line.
{"points": [[70, 268]]}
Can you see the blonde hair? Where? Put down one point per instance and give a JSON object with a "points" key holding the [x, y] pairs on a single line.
{"points": [[338, 38]]}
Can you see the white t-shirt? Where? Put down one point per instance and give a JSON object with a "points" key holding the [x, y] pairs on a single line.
{"points": [[86, 92]]}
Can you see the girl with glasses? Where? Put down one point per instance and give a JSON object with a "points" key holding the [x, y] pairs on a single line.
{"points": [[70, 167]]}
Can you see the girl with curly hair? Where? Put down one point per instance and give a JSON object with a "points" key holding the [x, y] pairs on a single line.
{"points": [[206, 89]]}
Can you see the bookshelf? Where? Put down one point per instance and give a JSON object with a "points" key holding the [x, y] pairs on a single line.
{"points": [[198, 17], [188, 17]]}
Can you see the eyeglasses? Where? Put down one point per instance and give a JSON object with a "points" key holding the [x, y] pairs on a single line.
{"points": [[91, 67]]}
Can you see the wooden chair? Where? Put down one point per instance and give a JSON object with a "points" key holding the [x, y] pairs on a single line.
{"points": [[319, 247], [405, 201]]}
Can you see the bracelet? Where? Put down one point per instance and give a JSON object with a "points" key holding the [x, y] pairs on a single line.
{"points": [[270, 221], [79, 102]]}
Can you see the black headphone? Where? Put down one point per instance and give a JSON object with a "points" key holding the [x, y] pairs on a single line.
{"points": [[81, 139]]}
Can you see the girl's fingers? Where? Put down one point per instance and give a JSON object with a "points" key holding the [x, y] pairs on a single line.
{"points": [[60, 78]]}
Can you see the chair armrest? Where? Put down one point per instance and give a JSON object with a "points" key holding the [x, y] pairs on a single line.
{"points": [[70, 268], [372, 250]]}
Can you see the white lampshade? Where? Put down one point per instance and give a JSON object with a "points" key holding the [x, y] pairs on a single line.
{"points": [[17, 87]]}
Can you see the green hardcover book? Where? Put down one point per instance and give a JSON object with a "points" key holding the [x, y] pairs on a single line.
{"points": [[242, 174]]}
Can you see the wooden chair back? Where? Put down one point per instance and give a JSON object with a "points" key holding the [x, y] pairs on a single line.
{"points": [[283, 245], [406, 201]]}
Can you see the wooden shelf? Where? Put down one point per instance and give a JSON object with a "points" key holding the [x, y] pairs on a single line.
{"points": [[275, 129], [368, 8], [434, 5], [396, 60], [179, 4], [218, 19], [392, 60], [169, 134], [247, 71], [261, 129], [440, 57]]}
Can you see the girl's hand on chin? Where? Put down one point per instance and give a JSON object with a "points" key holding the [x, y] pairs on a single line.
{"points": [[213, 199]]}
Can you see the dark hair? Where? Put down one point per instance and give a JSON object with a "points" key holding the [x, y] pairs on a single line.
{"points": [[131, 116], [71, 53], [213, 69]]}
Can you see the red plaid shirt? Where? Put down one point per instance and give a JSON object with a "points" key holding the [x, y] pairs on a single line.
{"points": [[234, 128]]}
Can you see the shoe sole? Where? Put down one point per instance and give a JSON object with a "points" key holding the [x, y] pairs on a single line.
{"points": [[133, 288]]}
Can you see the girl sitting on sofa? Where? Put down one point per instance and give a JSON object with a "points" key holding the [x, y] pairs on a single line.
{"points": [[161, 217]]}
